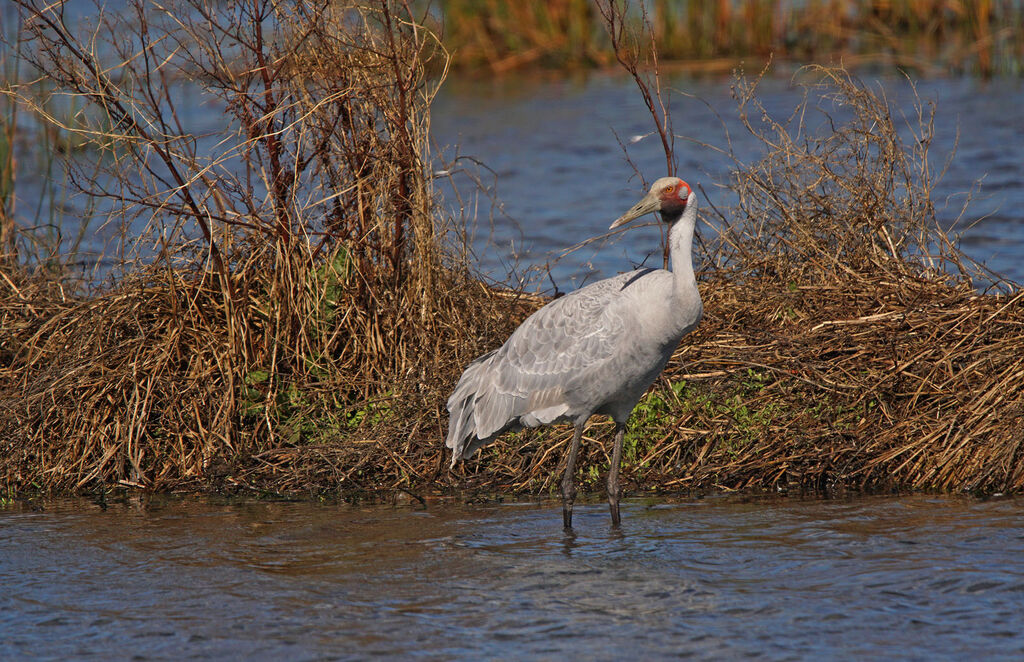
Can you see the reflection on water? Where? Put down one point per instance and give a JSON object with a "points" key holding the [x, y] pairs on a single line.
{"points": [[915, 577]]}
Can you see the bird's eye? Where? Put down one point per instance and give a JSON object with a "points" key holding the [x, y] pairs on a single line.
{"points": [[668, 189]]}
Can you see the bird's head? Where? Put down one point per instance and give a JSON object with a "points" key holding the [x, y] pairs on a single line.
{"points": [[669, 195]]}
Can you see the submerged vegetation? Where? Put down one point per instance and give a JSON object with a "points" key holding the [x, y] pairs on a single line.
{"points": [[980, 36], [285, 306]]}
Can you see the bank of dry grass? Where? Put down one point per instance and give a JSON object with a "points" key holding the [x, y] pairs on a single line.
{"points": [[302, 329], [811, 390], [273, 278]]}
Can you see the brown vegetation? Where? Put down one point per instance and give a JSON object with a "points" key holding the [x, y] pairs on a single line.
{"points": [[984, 36], [275, 277]]}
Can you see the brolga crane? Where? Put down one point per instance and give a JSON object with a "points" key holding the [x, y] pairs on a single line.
{"points": [[594, 351]]}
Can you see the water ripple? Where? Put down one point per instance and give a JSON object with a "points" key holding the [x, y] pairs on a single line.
{"points": [[917, 578]]}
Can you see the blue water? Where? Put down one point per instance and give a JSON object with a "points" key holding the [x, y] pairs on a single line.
{"points": [[561, 175], [915, 578], [556, 174]]}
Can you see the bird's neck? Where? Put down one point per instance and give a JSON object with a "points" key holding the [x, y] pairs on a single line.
{"points": [[680, 247]]}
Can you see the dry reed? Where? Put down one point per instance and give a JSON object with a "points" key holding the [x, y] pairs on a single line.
{"points": [[931, 35], [275, 278]]}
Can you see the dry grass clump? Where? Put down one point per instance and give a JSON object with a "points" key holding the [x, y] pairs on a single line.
{"points": [[846, 297], [275, 277]]}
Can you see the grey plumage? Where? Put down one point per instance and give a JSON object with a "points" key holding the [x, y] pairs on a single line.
{"points": [[593, 351]]}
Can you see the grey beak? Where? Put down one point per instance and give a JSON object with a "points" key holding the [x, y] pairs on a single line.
{"points": [[648, 204]]}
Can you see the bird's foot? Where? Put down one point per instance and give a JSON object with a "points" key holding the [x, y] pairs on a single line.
{"points": [[568, 499], [614, 506]]}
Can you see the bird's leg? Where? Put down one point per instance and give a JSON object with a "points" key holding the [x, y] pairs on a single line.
{"points": [[613, 473], [568, 485]]}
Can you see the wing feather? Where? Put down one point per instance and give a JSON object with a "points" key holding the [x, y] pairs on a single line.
{"points": [[555, 348], [532, 379]]}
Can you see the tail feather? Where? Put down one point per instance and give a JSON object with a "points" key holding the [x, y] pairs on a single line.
{"points": [[462, 433]]}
